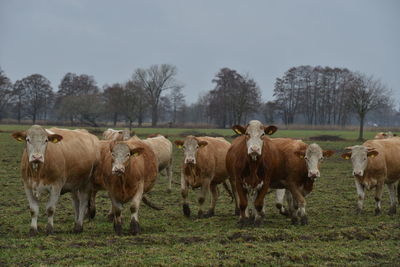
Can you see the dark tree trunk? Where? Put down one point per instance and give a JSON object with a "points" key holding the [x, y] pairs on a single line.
{"points": [[361, 132], [115, 119], [154, 116]]}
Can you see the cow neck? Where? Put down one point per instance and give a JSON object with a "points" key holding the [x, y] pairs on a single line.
{"points": [[254, 168]]}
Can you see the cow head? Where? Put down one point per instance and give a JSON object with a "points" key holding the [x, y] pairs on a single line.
{"points": [[36, 139], [121, 154], [313, 156], [359, 158], [254, 133], [126, 134], [190, 147]]}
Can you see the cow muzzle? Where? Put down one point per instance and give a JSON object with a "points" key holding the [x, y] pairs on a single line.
{"points": [[358, 173], [118, 170], [313, 174], [190, 161], [36, 158]]}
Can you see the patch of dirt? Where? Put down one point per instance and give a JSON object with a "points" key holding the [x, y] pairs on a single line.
{"points": [[326, 137]]}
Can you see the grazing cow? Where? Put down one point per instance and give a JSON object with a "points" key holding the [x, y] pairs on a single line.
{"points": [[162, 148], [116, 135], [383, 135], [301, 170], [203, 166], [129, 169], [57, 161], [252, 160], [375, 163]]}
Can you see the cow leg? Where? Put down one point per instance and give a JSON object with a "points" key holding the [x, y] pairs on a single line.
{"points": [[361, 196], [51, 208], [242, 195], [279, 199], [83, 196], [259, 203], [378, 197], [393, 200], [34, 207], [117, 209], [169, 175], [135, 228], [75, 202], [92, 205], [293, 207], [300, 201], [201, 199], [184, 193], [214, 198], [235, 195]]}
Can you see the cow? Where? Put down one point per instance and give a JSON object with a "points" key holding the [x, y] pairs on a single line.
{"points": [[57, 161], [251, 161], [162, 148], [302, 163], [203, 166], [116, 135], [128, 170], [375, 163], [384, 135]]}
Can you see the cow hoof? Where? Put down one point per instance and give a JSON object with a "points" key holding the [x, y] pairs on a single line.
{"points": [[49, 229], [359, 211], [295, 221], [244, 222], [284, 212], [78, 228], [118, 228], [110, 217], [169, 190], [392, 210], [258, 222], [91, 214], [200, 214], [304, 220], [186, 210], [135, 228], [209, 214], [33, 232], [237, 211], [377, 212]]}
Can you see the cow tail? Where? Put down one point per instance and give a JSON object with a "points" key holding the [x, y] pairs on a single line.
{"points": [[398, 191], [150, 204]]}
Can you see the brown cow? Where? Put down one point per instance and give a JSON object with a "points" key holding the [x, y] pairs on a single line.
{"points": [[57, 161], [301, 170], [203, 166], [128, 170], [252, 160], [384, 135], [375, 163], [116, 135]]}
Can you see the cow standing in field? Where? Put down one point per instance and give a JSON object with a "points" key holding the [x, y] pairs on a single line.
{"points": [[383, 135], [116, 135], [57, 161], [203, 166], [162, 148], [375, 163], [128, 170], [302, 163], [252, 160]]}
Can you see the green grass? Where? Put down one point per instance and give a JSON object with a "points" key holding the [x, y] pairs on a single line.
{"points": [[335, 236]]}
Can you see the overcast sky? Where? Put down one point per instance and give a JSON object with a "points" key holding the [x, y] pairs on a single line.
{"points": [[109, 39]]}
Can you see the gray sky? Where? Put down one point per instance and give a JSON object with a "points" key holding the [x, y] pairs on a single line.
{"points": [[109, 39]]}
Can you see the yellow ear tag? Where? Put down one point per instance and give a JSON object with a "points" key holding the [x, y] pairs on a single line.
{"points": [[135, 154], [180, 146], [372, 156], [301, 156], [237, 131], [347, 157], [55, 140], [270, 132], [19, 139]]}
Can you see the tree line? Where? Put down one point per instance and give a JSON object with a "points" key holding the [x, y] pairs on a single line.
{"points": [[303, 95]]}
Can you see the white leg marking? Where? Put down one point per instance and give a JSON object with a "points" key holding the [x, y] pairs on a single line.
{"points": [[34, 207], [361, 195]]}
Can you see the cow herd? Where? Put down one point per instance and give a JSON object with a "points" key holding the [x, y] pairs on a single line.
{"points": [[56, 161]]}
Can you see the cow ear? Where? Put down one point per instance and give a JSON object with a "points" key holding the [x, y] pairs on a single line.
{"points": [[270, 129], [239, 129], [137, 151], [346, 155], [179, 143], [328, 153], [19, 136], [202, 143], [372, 153], [54, 138], [300, 153]]}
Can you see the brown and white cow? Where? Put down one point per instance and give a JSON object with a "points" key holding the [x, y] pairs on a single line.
{"points": [[162, 148], [375, 163], [384, 135], [128, 170], [302, 162], [116, 135], [57, 161], [203, 166], [252, 160]]}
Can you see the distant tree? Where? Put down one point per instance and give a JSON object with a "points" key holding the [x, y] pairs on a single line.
{"points": [[135, 102], [6, 95], [366, 94], [177, 102], [269, 111], [36, 97], [154, 81], [113, 96]]}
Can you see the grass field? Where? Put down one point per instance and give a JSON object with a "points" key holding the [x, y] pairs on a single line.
{"points": [[335, 236]]}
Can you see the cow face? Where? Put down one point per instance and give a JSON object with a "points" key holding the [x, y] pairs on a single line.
{"points": [[190, 147], [359, 158], [313, 156], [120, 154], [36, 139], [254, 132]]}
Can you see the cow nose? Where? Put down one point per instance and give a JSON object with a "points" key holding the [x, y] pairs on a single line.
{"points": [[357, 173], [118, 170], [37, 157], [313, 174], [254, 149], [189, 160]]}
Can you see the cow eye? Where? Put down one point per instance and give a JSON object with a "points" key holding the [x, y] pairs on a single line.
{"points": [[28, 140], [46, 141], [306, 158]]}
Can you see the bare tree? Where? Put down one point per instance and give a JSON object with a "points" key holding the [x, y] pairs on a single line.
{"points": [[113, 96], [177, 101], [366, 94], [154, 81], [5, 93]]}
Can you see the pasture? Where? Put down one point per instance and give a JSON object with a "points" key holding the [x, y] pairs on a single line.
{"points": [[335, 236]]}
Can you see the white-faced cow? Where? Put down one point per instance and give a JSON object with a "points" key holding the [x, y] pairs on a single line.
{"points": [[57, 161], [375, 163], [116, 135], [203, 166], [384, 135]]}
